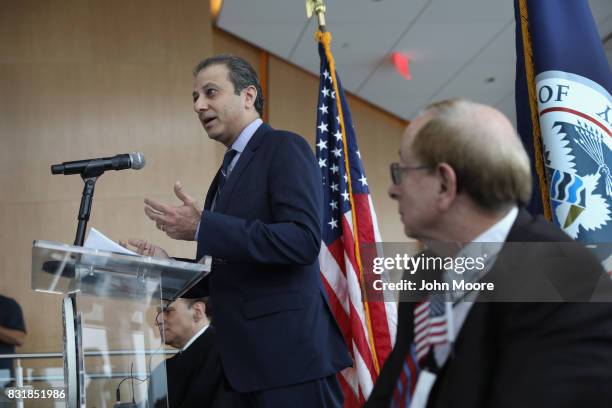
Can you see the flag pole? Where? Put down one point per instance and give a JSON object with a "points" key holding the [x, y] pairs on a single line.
{"points": [[317, 7], [533, 105]]}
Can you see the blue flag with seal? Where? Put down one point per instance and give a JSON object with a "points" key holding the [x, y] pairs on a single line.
{"points": [[564, 115]]}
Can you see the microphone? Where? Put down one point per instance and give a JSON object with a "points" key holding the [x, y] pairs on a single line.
{"points": [[134, 161]]}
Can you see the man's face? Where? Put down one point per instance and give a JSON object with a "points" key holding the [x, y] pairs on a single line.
{"points": [[178, 323], [415, 193], [221, 112]]}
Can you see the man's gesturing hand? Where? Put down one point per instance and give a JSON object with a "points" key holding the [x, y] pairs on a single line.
{"points": [[178, 222]]}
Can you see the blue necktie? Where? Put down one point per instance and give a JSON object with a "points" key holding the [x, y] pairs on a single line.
{"points": [[227, 159]]}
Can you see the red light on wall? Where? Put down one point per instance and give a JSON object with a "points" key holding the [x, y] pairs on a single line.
{"points": [[402, 64]]}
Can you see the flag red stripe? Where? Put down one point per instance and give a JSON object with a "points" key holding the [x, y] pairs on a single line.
{"points": [[363, 346], [364, 343], [401, 397], [361, 337], [362, 399], [350, 399], [378, 312], [420, 317], [437, 324], [413, 372], [380, 327], [365, 227], [349, 243], [336, 248], [357, 329], [421, 308], [338, 311]]}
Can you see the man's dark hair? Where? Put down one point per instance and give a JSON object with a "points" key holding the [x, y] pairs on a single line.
{"points": [[208, 309], [241, 75]]}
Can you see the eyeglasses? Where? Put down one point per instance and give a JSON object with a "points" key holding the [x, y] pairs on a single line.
{"points": [[397, 170]]}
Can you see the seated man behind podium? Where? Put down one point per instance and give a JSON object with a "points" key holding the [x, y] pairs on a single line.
{"points": [[463, 177], [194, 373]]}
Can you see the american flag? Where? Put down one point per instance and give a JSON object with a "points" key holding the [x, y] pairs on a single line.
{"points": [[368, 327], [429, 326]]}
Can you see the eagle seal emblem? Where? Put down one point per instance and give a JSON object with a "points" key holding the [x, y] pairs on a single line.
{"points": [[576, 126]]}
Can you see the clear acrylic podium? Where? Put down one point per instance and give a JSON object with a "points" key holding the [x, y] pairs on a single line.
{"points": [[113, 353]]}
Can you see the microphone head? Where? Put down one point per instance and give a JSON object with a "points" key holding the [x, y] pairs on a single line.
{"points": [[57, 169], [138, 160]]}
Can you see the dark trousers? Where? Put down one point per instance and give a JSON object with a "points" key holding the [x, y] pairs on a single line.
{"points": [[320, 393]]}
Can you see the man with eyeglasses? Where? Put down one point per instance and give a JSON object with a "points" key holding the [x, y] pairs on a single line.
{"points": [[463, 177]]}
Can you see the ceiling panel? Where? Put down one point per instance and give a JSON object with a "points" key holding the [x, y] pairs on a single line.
{"points": [[467, 11], [489, 77], [270, 24], [436, 57]]}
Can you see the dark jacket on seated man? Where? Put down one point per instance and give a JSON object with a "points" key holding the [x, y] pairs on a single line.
{"points": [[193, 375]]}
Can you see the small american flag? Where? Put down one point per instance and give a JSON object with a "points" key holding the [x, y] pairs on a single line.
{"points": [[429, 326], [349, 220]]}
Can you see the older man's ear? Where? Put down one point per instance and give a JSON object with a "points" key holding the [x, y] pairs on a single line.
{"points": [[199, 311], [447, 191]]}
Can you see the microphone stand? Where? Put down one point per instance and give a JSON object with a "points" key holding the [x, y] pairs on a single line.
{"points": [[90, 176]]}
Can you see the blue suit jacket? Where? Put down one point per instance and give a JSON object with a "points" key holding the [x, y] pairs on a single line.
{"points": [[274, 325]]}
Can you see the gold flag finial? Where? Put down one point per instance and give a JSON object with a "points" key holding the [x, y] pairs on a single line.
{"points": [[317, 7]]}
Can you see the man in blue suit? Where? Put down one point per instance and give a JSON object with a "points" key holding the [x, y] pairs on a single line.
{"points": [[278, 341]]}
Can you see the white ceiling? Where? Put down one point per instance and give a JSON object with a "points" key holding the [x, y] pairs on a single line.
{"points": [[455, 46]]}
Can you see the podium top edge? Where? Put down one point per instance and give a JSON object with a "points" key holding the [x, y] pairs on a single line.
{"points": [[171, 263]]}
